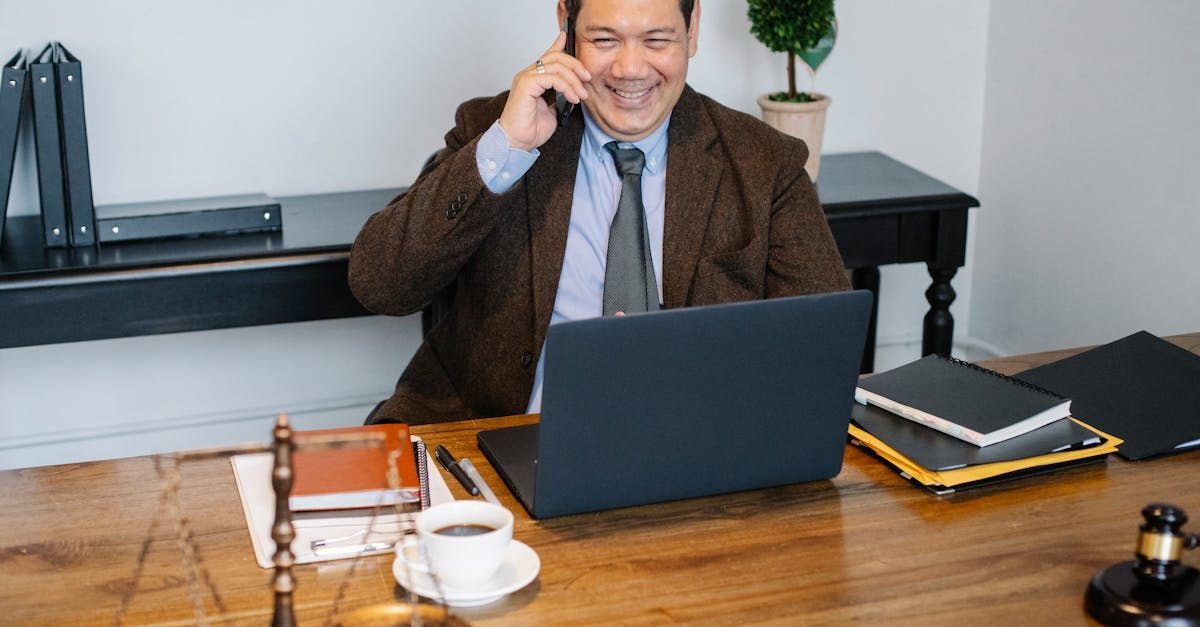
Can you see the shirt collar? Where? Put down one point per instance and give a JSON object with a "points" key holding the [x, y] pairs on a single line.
{"points": [[654, 145]]}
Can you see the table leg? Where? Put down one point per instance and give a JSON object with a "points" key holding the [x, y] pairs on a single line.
{"points": [[868, 279], [939, 324]]}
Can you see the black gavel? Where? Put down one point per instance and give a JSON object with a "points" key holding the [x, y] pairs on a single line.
{"points": [[1157, 588]]}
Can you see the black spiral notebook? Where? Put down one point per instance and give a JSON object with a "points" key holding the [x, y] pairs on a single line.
{"points": [[963, 400], [1141, 388]]}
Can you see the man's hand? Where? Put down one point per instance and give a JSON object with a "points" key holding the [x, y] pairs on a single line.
{"points": [[527, 119]]}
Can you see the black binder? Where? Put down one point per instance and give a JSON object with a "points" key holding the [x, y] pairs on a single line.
{"points": [[78, 174], [44, 87], [222, 215], [12, 103]]}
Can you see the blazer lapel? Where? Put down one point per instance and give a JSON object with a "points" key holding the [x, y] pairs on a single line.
{"points": [[550, 191], [693, 174]]}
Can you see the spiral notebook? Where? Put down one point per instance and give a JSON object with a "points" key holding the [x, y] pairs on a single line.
{"points": [[963, 400]]}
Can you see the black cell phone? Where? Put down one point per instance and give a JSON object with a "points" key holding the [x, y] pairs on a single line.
{"points": [[566, 107]]}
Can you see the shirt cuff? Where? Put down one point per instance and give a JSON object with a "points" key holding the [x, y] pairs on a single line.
{"points": [[501, 167]]}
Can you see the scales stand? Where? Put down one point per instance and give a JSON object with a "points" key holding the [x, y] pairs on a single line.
{"points": [[283, 582]]}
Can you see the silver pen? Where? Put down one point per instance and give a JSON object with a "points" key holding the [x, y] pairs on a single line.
{"points": [[321, 547], [479, 482], [369, 548]]}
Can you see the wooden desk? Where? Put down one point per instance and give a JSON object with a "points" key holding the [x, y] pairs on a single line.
{"points": [[863, 547], [880, 210]]}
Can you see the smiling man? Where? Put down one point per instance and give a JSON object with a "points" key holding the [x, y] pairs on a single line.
{"points": [[647, 195]]}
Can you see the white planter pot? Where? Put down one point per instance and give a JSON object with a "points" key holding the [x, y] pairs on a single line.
{"points": [[805, 120]]}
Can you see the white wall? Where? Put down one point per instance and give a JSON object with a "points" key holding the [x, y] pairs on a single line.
{"points": [[1090, 154], [907, 79], [193, 99]]}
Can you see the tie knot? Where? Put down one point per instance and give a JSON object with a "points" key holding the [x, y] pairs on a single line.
{"points": [[629, 160]]}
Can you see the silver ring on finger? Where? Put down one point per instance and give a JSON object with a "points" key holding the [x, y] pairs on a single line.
{"points": [[539, 67]]}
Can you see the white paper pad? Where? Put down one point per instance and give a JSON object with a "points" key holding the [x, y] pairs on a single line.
{"points": [[253, 475]]}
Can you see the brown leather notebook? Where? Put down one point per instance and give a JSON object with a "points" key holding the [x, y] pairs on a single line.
{"points": [[355, 477]]}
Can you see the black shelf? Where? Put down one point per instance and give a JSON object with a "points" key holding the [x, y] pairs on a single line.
{"points": [[880, 210]]}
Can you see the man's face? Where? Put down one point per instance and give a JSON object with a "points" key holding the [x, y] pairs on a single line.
{"points": [[637, 52]]}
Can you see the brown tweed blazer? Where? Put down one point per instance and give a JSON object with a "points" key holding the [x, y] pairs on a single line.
{"points": [[742, 222]]}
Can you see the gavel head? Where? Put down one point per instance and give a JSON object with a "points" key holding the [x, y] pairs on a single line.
{"points": [[1160, 542]]}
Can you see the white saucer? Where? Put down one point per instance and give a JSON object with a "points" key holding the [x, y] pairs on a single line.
{"points": [[520, 566]]}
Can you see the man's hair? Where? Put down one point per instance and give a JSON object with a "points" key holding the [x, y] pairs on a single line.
{"points": [[685, 6]]}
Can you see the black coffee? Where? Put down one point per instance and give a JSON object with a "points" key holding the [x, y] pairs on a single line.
{"points": [[469, 529]]}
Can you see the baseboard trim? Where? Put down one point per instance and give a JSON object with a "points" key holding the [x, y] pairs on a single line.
{"points": [[982, 346], [248, 414], [244, 414], [964, 343]]}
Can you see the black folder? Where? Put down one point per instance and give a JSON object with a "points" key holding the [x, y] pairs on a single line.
{"points": [[937, 451], [1140, 388], [78, 174], [44, 87], [12, 102]]}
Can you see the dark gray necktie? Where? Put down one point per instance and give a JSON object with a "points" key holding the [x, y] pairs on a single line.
{"points": [[629, 284]]}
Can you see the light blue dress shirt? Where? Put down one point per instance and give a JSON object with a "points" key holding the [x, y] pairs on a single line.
{"points": [[597, 190]]}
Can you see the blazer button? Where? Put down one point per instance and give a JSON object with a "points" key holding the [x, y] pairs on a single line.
{"points": [[526, 359], [462, 197], [452, 212]]}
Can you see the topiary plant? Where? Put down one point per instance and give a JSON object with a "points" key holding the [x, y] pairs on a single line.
{"points": [[804, 28]]}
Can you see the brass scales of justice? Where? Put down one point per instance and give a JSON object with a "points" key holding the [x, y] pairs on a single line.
{"points": [[283, 583]]}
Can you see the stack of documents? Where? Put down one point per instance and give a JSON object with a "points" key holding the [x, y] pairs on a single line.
{"points": [[944, 464], [336, 529]]}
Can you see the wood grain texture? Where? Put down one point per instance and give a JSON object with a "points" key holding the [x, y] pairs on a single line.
{"points": [[865, 546]]}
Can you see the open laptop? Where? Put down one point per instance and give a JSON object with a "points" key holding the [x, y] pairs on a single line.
{"points": [[687, 402]]}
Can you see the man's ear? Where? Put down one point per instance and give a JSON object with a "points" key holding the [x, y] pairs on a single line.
{"points": [[694, 30], [562, 13]]}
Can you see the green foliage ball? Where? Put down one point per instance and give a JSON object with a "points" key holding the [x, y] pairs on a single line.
{"points": [[790, 25]]}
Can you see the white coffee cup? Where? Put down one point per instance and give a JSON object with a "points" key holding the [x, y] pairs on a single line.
{"points": [[463, 543]]}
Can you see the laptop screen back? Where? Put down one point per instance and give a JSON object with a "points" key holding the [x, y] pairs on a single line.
{"points": [[690, 402]]}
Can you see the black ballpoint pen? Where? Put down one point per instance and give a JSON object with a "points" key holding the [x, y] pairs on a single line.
{"points": [[447, 460]]}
